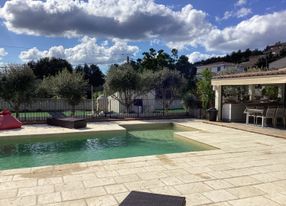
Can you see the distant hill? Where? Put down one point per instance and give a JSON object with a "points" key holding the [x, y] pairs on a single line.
{"points": [[251, 58]]}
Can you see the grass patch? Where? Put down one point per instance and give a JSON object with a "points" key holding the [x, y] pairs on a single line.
{"points": [[46, 114]]}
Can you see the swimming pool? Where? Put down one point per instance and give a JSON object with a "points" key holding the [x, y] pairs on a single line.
{"points": [[137, 140]]}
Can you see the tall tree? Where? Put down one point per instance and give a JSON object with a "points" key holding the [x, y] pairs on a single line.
{"points": [[164, 60], [204, 89], [187, 69], [155, 61], [169, 86], [17, 86], [149, 60], [66, 85], [174, 54], [125, 84], [93, 75], [49, 67]]}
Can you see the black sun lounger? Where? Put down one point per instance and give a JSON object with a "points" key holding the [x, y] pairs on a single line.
{"points": [[59, 119], [149, 199]]}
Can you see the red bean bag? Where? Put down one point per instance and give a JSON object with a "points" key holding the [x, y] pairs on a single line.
{"points": [[7, 121]]}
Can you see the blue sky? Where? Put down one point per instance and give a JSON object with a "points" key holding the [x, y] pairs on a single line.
{"points": [[105, 32]]}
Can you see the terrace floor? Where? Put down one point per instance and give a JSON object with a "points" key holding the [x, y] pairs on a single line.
{"points": [[275, 132], [247, 169]]}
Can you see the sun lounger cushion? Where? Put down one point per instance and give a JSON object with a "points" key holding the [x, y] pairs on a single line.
{"points": [[149, 199], [68, 122]]}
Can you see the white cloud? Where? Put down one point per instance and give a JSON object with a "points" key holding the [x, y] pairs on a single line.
{"points": [[197, 56], [227, 15], [87, 51], [255, 32], [124, 19], [242, 12], [241, 2], [2, 53], [31, 54], [155, 42], [137, 20]]}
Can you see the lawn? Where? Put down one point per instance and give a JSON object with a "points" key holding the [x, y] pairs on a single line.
{"points": [[24, 115], [176, 110]]}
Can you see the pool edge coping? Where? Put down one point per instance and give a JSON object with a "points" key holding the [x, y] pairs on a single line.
{"points": [[115, 159]]}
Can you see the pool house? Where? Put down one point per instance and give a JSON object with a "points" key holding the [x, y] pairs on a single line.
{"points": [[256, 97]]}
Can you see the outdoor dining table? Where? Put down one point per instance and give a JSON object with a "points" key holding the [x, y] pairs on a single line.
{"points": [[252, 111]]}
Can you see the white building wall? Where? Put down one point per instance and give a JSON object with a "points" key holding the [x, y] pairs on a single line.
{"points": [[219, 68], [148, 104], [176, 104]]}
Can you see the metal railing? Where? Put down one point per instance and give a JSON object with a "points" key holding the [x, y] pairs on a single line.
{"points": [[40, 109]]}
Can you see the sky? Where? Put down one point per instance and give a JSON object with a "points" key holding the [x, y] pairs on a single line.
{"points": [[105, 32]]}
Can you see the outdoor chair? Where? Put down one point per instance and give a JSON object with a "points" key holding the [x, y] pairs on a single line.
{"points": [[262, 112], [270, 114], [251, 113], [280, 114], [150, 199]]}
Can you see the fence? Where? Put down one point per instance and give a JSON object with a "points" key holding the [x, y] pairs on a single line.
{"points": [[40, 109]]}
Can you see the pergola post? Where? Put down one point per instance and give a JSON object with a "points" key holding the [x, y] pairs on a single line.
{"points": [[281, 92], [251, 92], [218, 97], [284, 96]]}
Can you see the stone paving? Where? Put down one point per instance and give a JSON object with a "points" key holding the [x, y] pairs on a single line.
{"points": [[247, 169], [275, 132], [39, 129]]}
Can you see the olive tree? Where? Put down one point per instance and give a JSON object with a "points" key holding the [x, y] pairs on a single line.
{"points": [[66, 85], [17, 85], [169, 85], [125, 84], [190, 101]]}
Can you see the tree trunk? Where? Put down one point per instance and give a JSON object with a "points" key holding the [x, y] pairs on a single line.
{"points": [[164, 100], [73, 111], [166, 107], [128, 105], [17, 108], [188, 109], [127, 109]]}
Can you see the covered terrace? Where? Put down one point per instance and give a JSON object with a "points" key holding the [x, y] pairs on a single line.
{"points": [[262, 92]]}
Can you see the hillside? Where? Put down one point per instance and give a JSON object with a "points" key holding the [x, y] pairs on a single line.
{"points": [[250, 58]]}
